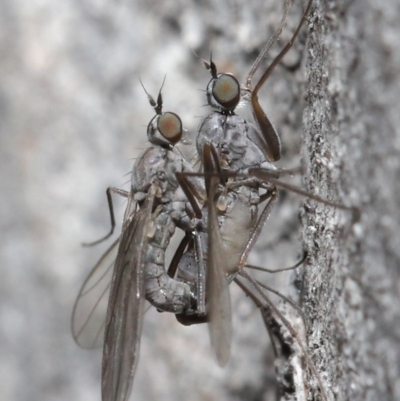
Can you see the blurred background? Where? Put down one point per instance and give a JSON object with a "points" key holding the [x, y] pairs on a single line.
{"points": [[73, 118]]}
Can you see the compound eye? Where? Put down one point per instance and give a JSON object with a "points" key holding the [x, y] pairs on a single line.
{"points": [[226, 91], [170, 127]]}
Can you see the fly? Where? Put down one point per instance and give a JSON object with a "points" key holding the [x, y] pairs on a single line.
{"points": [[237, 159], [156, 206]]}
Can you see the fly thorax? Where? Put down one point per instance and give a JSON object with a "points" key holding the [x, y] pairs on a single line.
{"points": [[236, 145], [146, 168], [232, 142], [211, 130], [235, 137]]}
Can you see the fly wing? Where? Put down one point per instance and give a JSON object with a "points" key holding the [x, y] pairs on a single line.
{"points": [[89, 314], [218, 291], [125, 309], [217, 286]]}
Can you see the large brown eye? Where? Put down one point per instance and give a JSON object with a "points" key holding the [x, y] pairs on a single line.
{"points": [[226, 91], [170, 127]]}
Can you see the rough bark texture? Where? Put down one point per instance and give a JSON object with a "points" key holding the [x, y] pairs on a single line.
{"points": [[351, 150], [73, 114]]}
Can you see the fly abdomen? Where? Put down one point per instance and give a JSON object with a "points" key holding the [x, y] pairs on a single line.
{"points": [[162, 291], [237, 223]]}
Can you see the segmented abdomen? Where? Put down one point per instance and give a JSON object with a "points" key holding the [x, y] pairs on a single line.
{"points": [[162, 291]]}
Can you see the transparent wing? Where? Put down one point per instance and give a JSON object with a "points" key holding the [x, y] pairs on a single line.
{"points": [[217, 286], [125, 309], [89, 313]]}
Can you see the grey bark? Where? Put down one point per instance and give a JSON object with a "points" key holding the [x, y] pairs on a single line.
{"points": [[73, 114], [351, 152]]}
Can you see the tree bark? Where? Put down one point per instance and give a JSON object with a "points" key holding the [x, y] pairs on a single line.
{"points": [[351, 290]]}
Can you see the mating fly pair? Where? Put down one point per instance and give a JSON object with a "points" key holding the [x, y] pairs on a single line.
{"points": [[220, 219]]}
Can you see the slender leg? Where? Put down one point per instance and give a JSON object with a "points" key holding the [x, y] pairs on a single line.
{"points": [[286, 299], [199, 257], [178, 254], [299, 263], [201, 275], [200, 316], [193, 196], [269, 134], [257, 230], [109, 191], [265, 175], [268, 176], [271, 308]]}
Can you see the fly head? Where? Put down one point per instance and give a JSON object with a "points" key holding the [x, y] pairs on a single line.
{"points": [[164, 129], [223, 91]]}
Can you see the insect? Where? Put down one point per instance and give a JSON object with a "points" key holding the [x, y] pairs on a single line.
{"points": [[239, 175], [156, 206], [241, 154], [236, 167]]}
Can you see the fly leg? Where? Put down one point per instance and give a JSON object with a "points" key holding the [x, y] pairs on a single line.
{"points": [[270, 136], [263, 269], [193, 240], [270, 313], [109, 192], [268, 176], [272, 196], [287, 358], [268, 179], [188, 247], [279, 294]]}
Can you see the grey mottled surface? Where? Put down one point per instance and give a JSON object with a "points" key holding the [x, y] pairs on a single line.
{"points": [[352, 149], [73, 115]]}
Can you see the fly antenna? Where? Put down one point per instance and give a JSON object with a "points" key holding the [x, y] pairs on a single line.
{"points": [[151, 99], [159, 97], [209, 65], [156, 105]]}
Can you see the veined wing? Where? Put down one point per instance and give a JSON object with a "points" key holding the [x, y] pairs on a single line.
{"points": [[217, 286], [89, 314], [125, 308]]}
